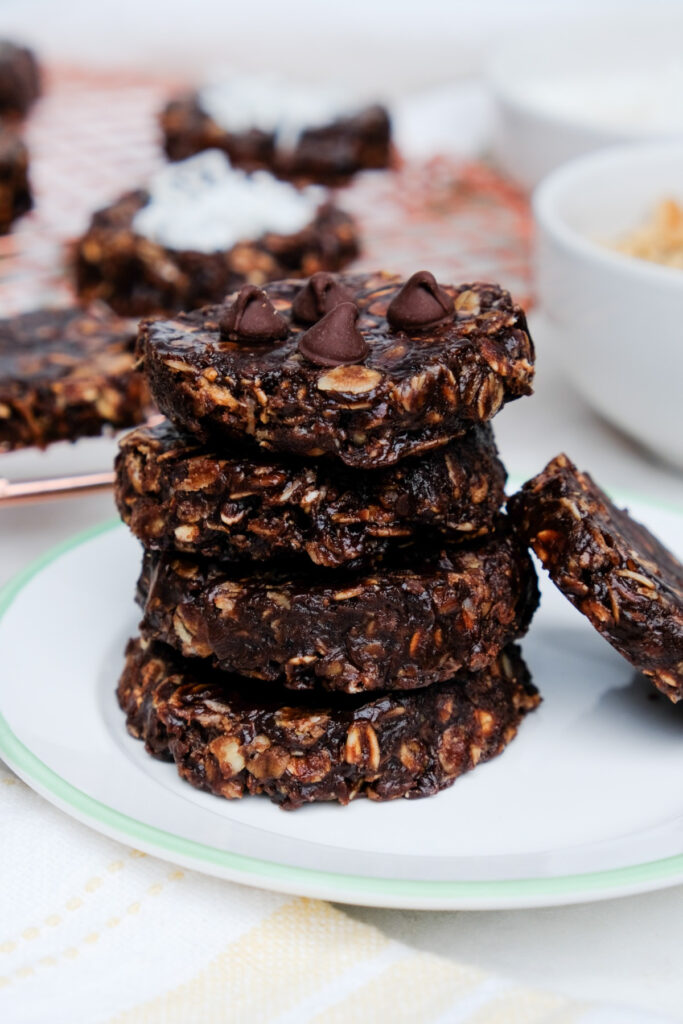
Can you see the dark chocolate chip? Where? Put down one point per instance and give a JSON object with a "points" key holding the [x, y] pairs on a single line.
{"points": [[420, 303], [335, 340], [321, 293], [252, 317]]}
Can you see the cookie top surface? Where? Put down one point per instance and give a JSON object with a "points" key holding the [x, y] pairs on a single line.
{"points": [[411, 389], [609, 566], [51, 344]]}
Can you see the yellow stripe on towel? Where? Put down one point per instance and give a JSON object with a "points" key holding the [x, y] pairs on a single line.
{"points": [[298, 949]]}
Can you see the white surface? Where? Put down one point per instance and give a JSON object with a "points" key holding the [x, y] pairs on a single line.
{"points": [[506, 820], [615, 320], [204, 204], [578, 85], [272, 104]]}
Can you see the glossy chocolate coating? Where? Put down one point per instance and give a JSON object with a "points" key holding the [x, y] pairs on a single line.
{"points": [[335, 340], [251, 317], [421, 303], [321, 293]]}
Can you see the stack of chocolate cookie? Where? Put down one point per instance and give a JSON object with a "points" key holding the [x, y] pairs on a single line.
{"points": [[330, 593]]}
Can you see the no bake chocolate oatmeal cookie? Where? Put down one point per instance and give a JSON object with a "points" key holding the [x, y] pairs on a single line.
{"points": [[364, 367], [174, 493], [233, 741], [66, 373], [200, 231], [329, 153], [610, 567], [397, 627]]}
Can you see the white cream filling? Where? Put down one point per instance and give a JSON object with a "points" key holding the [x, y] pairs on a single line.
{"points": [[206, 205], [272, 105]]}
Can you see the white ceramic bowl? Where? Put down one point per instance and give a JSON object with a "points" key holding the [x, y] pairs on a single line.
{"points": [[616, 321], [569, 88]]}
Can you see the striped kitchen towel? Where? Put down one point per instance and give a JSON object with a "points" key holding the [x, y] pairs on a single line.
{"points": [[92, 932]]}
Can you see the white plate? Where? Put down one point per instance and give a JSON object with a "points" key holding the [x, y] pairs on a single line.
{"points": [[587, 803]]}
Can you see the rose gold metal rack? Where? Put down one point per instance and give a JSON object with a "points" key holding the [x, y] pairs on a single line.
{"points": [[28, 492]]}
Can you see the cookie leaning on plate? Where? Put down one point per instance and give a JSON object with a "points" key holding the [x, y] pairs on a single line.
{"points": [[232, 740], [174, 493], [396, 627], [610, 567], [392, 369]]}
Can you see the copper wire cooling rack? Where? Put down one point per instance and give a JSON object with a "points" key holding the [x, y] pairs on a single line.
{"points": [[94, 136]]}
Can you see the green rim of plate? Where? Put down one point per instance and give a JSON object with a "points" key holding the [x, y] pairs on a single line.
{"points": [[262, 872]]}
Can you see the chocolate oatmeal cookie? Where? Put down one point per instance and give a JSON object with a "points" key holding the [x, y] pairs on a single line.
{"points": [[174, 493], [15, 192], [363, 367], [66, 373], [233, 740], [329, 154], [609, 566], [398, 627], [136, 275]]}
